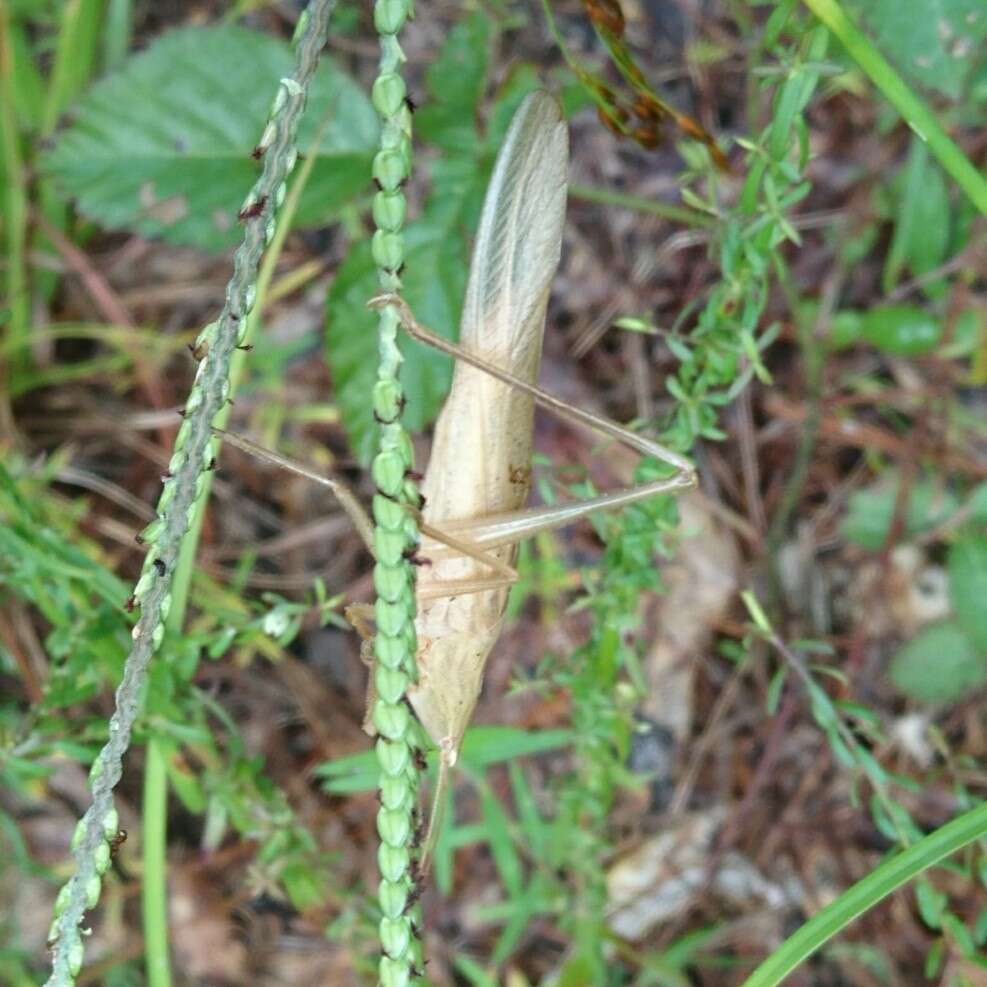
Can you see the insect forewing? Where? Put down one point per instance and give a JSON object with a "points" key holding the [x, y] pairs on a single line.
{"points": [[481, 454], [484, 432]]}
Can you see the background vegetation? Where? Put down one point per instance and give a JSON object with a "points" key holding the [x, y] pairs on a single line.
{"points": [[706, 720]]}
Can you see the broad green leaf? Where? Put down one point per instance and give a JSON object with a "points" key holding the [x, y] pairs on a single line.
{"points": [[922, 225], [164, 145], [871, 511], [968, 586], [940, 664], [455, 82], [938, 43], [902, 330]]}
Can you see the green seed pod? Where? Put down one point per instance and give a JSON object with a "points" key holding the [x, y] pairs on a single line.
{"points": [[393, 756], [389, 547], [111, 823], [389, 651], [394, 973], [395, 935], [177, 460], [388, 513], [392, 862], [165, 606], [388, 93], [62, 899], [390, 618], [167, 496], [392, 897], [390, 582], [391, 683], [157, 636], [393, 827], [387, 399], [145, 581], [387, 249], [390, 210], [152, 531], [387, 471], [76, 955], [78, 835], [280, 97], [93, 887], [291, 159], [101, 857], [294, 89], [391, 721], [390, 169], [394, 792], [390, 15], [184, 432]]}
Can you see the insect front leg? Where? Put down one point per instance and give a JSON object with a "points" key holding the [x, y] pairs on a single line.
{"points": [[347, 499]]}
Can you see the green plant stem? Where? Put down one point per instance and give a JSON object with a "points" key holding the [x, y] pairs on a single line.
{"points": [[867, 892], [154, 846], [154, 882], [167, 537], [116, 33], [914, 111], [15, 225], [609, 197], [75, 53]]}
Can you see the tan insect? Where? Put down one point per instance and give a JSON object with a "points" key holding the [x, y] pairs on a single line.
{"points": [[479, 471]]}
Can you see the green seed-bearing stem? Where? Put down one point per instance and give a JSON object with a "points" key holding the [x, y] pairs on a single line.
{"points": [[193, 455], [395, 536]]}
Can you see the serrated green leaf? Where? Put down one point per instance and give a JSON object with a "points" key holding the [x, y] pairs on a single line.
{"points": [[163, 146], [455, 82], [940, 664], [968, 586]]}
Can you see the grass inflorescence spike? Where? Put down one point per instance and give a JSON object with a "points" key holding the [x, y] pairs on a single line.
{"points": [[185, 483]]}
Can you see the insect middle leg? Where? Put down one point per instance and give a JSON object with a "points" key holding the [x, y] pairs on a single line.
{"points": [[562, 409]]}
